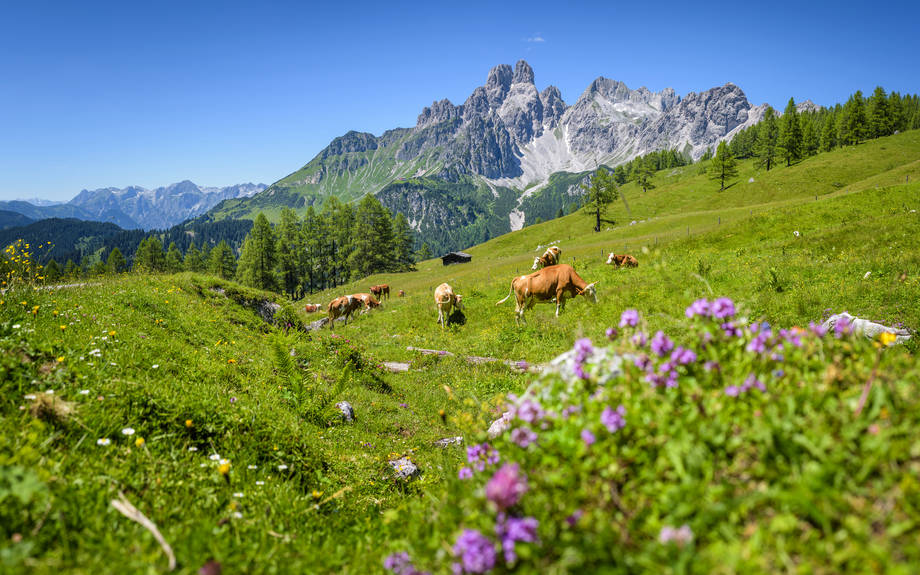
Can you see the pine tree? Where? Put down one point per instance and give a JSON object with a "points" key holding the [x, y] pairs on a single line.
{"points": [[174, 261], [852, 123], [150, 256], [790, 134], [193, 261], [723, 165], [221, 261], [71, 270], [767, 141], [600, 193], [371, 239], [619, 175], [116, 262], [706, 155], [879, 116]]}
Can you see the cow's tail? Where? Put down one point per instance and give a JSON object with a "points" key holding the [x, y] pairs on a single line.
{"points": [[511, 291]]}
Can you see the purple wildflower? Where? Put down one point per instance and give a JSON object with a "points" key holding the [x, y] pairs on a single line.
{"points": [[644, 363], [404, 405], [611, 333], [681, 536], [476, 552], [752, 381], [731, 330], [843, 326], [712, 366], [732, 391], [614, 420], [232, 400], [588, 437], [817, 329], [661, 344], [574, 517], [465, 473], [529, 411], [639, 339], [523, 365], [629, 318], [723, 308], [512, 530], [759, 343], [700, 307], [683, 356], [481, 455], [400, 564], [506, 486], [523, 436], [791, 336]]}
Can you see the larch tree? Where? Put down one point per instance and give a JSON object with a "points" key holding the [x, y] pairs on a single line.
{"points": [[403, 243], [829, 133], [287, 249], [766, 148], [600, 192], [722, 166], [259, 256], [790, 134], [116, 261], [174, 260], [221, 261], [193, 261]]}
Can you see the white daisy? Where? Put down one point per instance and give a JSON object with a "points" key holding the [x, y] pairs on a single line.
{"points": [[30, 396], [203, 465], [260, 483], [17, 326], [237, 514], [224, 461], [104, 441], [49, 392], [238, 494], [127, 431], [155, 366], [84, 392], [214, 457], [193, 449], [252, 467], [282, 467]]}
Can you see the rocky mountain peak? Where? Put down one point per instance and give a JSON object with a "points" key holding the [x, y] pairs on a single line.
{"points": [[498, 84], [523, 73]]}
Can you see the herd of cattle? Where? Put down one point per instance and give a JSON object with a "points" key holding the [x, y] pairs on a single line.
{"points": [[552, 282]]}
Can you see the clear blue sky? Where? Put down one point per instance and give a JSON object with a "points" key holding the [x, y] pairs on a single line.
{"points": [[99, 94]]}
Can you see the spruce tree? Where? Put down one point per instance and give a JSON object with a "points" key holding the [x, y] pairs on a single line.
{"points": [[53, 271], [71, 270], [852, 124], [371, 239], [766, 149], [287, 250], [829, 133], [809, 136], [424, 253], [403, 243], [723, 165], [116, 262], [619, 175], [259, 256], [790, 134]]}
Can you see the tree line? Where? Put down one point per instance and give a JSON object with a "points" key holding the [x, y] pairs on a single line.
{"points": [[299, 255]]}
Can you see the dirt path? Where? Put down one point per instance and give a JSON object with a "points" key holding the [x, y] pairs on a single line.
{"points": [[518, 366]]}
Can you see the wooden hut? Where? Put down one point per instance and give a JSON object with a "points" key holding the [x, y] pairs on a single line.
{"points": [[456, 258]]}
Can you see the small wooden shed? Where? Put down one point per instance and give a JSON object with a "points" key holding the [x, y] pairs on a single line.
{"points": [[456, 258]]}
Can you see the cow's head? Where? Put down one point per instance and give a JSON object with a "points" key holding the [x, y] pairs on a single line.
{"points": [[536, 264], [590, 292], [611, 259], [457, 302]]}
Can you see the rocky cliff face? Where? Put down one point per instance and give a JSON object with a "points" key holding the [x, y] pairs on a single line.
{"points": [[160, 208]]}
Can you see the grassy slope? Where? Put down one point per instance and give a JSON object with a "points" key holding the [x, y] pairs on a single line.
{"points": [[850, 230]]}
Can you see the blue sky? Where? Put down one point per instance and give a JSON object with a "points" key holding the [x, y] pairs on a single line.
{"points": [[100, 94]]}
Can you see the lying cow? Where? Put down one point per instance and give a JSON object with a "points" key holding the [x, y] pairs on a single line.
{"points": [[312, 307], [555, 282], [445, 299], [550, 257], [624, 260], [368, 300], [343, 307], [401, 293], [867, 328]]}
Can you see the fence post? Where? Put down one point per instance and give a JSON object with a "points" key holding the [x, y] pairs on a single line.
{"points": [[720, 220]]}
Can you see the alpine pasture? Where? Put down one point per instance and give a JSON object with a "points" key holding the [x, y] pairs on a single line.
{"points": [[770, 448]]}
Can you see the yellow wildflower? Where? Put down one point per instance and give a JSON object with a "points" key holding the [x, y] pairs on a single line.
{"points": [[224, 468], [139, 441], [188, 423], [887, 338]]}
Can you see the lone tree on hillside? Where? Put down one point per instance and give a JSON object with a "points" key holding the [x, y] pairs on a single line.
{"points": [[599, 194], [643, 173], [767, 141], [790, 134], [723, 165]]}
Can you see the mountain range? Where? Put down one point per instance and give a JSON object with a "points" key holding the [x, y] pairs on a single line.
{"points": [[135, 207], [506, 150]]}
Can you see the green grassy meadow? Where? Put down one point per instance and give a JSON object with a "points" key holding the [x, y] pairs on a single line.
{"points": [[238, 456]]}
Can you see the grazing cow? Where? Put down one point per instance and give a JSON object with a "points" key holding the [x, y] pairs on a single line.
{"points": [[550, 257], [445, 299], [376, 291], [367, 299], [624, 260], [343, 307], [559, 281], [400, 293], [311, 307]]}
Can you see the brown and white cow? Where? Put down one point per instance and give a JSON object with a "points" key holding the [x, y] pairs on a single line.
{"points": [[380, 291], [400, 293], [559, 281], [367, 299], [445, 299], [550, 257], [624, 260], [343, 307], [312, 307]]}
